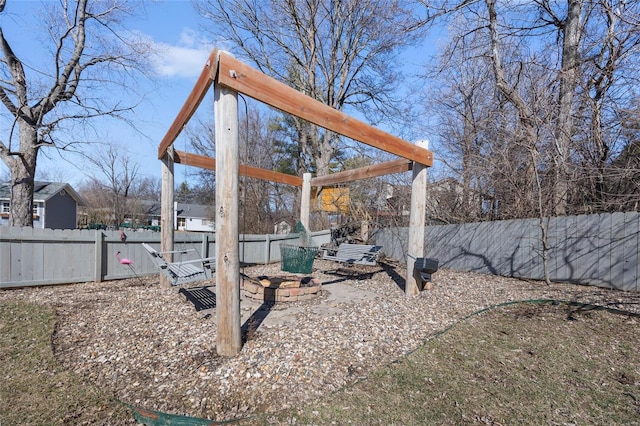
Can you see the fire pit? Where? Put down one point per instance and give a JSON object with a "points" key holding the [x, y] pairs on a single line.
{"points": [[287, 288]]}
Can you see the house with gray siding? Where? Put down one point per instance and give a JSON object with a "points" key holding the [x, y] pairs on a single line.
{"points": [[55, 205], [193, 217]]}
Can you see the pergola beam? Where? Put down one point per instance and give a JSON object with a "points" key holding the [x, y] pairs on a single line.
{"points": [[251, 82], [204, 162], [381, 169], [190, 106]]}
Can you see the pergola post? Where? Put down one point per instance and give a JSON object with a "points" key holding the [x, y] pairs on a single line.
{"points": [[416, 223], [229, 338], [166, 211], [305, 200]]}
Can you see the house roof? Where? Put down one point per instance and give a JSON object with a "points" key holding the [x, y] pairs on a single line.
{"points": [[195, 210], [43, 191], [154, 208]]}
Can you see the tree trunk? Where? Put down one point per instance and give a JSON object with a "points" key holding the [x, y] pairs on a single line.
{"points": [[572, 33], [528, 136], [23, 170]]}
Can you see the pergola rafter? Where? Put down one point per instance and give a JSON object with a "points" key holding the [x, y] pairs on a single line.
{"points": [[229, 77]]}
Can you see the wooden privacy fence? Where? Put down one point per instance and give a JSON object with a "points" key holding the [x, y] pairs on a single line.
{"points": [[30, 257], [598, 249]]}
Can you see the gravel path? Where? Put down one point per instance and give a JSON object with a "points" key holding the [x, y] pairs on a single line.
{"points": [[155, 351]]}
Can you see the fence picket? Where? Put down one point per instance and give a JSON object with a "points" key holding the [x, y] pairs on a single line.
{"points": [[31, 256], [597, 249]]}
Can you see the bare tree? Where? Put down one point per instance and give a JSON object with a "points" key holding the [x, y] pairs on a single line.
{"points": [[87, 57], [464, 102], [262, 203], [340, 52], [567, 69], [569, 22], [608, 107], [118, 175]]}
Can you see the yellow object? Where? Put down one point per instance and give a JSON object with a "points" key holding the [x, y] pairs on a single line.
{"points": [[332, 200]]}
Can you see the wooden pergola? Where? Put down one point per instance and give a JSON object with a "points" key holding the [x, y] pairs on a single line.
{"points": [[230, 77]]}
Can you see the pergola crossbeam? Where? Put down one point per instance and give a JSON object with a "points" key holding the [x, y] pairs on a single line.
{"points": [[251, 82], [190, 106], [381, 169], [204, 162]]}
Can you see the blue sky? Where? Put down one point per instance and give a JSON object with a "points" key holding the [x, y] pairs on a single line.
{"points": [[173, 29]]}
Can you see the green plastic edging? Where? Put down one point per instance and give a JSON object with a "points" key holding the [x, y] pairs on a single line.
{"points": [[157, 418]]}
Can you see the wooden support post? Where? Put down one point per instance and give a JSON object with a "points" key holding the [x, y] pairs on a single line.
{"points": [[99, 260], [305, 200], [416, 223], [204, 246], [229, 338], [364, 231], [166, 211]]}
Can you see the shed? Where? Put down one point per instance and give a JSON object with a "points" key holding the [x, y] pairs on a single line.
{"points": [[55, 205]]}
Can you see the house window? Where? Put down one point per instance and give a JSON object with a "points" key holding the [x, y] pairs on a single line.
{"points": [[6, 207], [36, 208], [182, 223]]}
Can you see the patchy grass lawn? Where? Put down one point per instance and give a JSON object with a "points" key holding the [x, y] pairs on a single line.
{"points": [[520, 364], [34, 388]]}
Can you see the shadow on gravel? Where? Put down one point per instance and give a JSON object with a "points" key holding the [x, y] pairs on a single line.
{"points": [[251, 325], [349, 273], [397, 278]]}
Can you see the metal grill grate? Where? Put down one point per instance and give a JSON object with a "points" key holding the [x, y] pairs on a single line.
{"points": [[201, 297]]}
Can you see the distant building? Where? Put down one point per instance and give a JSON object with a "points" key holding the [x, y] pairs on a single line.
{"points": [[193, 217], [55, 205]]}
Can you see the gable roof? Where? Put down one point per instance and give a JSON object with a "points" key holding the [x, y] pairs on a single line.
{"points": [[43, 191], [195, 211]]}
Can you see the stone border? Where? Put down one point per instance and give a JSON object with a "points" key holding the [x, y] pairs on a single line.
{"points": [[257, 292]]}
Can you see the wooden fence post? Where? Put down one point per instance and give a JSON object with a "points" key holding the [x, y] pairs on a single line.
{"points": [[229, 339], [416, 222], [267, 249], [99, 258], [204, 246]]}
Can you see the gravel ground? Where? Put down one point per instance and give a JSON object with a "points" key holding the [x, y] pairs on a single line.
{"points": [[153, 349]]}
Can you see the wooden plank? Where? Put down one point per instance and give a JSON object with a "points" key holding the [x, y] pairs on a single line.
{"points": [[204, 162], [415, 247], [99, 256], [587, 248], [570, 257], [191, 104], [245, 79], [617, 249], [382, 169], [5, 256], [30, 260], [166, 210], [228, 335], [555, 241], [631, 280], [305, 200], [604, 250]]}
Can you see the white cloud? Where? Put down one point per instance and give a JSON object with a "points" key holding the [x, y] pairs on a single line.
{"points": [[185, 59]]}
